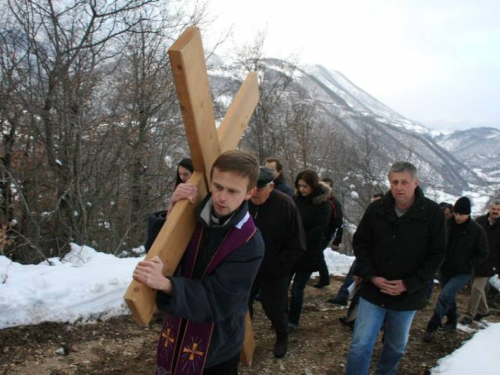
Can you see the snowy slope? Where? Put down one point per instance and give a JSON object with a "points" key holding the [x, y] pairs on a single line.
{"points": [[359, 100], [477, 147], [84, 286]]}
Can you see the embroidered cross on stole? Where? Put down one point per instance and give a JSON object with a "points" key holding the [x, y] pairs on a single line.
{"points": [[190, 338]]}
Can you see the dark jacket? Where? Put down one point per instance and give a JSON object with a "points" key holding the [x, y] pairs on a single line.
{"points": [[281, 227], [336, 224], [280, 184], [466, 248], [315, 211], [409, 248], [492, 263], [222, 297]]}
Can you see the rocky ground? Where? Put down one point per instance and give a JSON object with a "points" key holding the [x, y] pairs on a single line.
{"points": [[119, 346]]}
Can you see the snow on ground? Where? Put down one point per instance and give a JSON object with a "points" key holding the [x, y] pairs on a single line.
{"points": [[84, 285], [338, 264], [477, 356], [87, 285]]}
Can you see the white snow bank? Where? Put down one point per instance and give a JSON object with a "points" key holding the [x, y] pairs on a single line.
{"points": [[86, 284], [479, 355]]}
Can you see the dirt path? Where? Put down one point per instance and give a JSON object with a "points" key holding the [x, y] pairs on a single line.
{"points": [[119, 346]]}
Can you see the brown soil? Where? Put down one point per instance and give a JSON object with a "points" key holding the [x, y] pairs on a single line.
{"points": [[119, 346]]}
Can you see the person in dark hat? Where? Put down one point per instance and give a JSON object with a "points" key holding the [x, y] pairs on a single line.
{"points": [[279, 222], [477, 308], [467, 247]]}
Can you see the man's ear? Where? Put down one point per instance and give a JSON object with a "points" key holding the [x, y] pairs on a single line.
{"points": [[271, 185], [249, 194]]}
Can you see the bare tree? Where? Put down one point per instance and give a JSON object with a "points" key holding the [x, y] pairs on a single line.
{"points": [[87, 119]]}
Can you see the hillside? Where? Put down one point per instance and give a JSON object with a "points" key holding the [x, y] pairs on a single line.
{"points": [[348, 109]]}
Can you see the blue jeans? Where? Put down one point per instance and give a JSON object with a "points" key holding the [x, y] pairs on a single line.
{"points": [[446, 304], [299, 284], [369, 320]]}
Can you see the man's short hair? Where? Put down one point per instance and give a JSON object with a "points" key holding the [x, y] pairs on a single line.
{"points": [[448, 206], [328, 180], [240, 163], [279, 167], [403, 166], [495, 201]]}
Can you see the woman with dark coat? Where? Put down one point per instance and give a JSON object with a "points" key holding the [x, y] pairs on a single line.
{"points": [[311, 198], [185, 170]]}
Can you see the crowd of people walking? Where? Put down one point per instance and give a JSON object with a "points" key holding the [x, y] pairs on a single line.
{"points": [[259, 240]]}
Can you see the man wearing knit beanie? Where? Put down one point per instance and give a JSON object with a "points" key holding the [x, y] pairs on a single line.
{"points": [[462, 206], [477, 308], [467, 248]]}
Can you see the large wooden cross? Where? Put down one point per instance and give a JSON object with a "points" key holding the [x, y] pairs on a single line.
{"points": [[206, 143]]}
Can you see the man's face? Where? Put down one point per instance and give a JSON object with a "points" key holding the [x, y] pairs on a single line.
{"points": [[272, 165], [494, 211], [260, 195], [228, 192], [403, 187], [460, 218], [447, 213]]}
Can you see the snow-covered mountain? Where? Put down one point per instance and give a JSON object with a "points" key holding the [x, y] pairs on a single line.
{"points": [[358, 100], [477, 147], [343, 104]]}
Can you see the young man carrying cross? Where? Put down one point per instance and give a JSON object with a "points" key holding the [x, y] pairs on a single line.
{"points": [[206, 300]]}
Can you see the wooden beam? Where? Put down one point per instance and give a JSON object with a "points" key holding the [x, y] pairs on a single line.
{"points": [[206, 143], [191, 81], [237, 117], [169, 245], [248, 343]]}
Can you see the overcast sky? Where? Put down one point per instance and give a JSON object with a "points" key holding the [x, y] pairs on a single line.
{"points": [[433, 61]]}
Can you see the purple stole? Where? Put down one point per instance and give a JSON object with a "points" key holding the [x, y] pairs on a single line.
{"points": [[194, 336]]}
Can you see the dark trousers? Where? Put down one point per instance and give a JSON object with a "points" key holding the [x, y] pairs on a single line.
{"points": [[229, 367], [324, 275], [274, 300], [299, 284], [344, 288]]}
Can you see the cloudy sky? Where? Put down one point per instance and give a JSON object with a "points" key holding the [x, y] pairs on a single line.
{"points": [[433, 61]]}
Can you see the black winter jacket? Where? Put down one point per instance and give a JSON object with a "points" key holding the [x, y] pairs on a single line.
{"points": [[222, 297], [466, 248], [281, 227], [315, 211], [280, 184], [492, 263], [409, 248]]}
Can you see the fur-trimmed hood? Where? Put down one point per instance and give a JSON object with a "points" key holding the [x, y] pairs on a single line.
{"points": [[323, 193]]}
